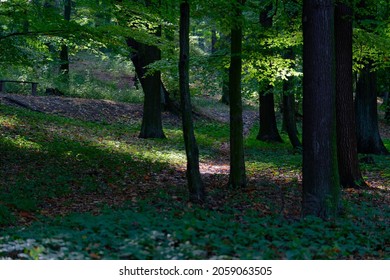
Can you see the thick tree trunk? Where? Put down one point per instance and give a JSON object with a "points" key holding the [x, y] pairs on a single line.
{"points": [[237, 177], [143, 56], [268, 129], [368, 137], [195, 185], [151, 85], [321, 190], [348, 162]]}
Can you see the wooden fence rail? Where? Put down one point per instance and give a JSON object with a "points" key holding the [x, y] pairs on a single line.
{"points": [[34, 85]]}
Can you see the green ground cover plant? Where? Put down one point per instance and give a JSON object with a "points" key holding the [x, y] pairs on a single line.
{"points": [[72, 189]]}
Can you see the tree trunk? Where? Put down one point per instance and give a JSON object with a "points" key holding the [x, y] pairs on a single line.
{"points": [[348, 162], [142, 57], [368, 137], [321, 190], [64, 53], [213, 40], [151, 85], [289, 114], [237, 177], [223, 44], [288, 106], [268, 130], [225, 88], [386, 101], [195, 185]]}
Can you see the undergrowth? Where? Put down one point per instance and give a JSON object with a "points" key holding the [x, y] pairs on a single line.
{"points": [[49, 161]]}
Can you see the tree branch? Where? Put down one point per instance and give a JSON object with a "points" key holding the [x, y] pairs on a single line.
{"points": [[33, 33]]}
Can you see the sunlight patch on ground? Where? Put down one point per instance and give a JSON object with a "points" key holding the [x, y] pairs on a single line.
{"points": [[207, 168], [22, 142]]}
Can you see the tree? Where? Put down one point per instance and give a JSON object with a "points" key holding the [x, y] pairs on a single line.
{"points": [[289, 112], [237, 177], [144, 54], [195, 184], [64, 53], [387, 104], [350, 175], [268, 129], [369, 36], [224, 43], [368, 137], [321, 189]]}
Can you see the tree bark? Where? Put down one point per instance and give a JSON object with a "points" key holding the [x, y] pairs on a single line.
{"points": [[151, 85], [195, 185], [225, 88], [237, 177], [268, 130], [386, 101], [289, 114], [288, 106], [348, 162], [321, 190], [368, 137], [142, 57]]}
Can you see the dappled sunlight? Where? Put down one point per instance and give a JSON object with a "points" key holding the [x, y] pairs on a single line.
{"points": [[212, 169], [23, 143]]}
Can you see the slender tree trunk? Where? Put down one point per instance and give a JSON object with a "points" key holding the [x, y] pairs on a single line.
{"points": [[237, 176], [387, 104], [213, 40], [348, 163], [268, 129], [289, 120], [195, 185], [224, 43], [225, 88], [321, 190], [64, 53], [289, 114], [368, 137]]}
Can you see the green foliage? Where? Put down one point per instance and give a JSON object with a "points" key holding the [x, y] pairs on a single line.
{"points": [[150, 231]]}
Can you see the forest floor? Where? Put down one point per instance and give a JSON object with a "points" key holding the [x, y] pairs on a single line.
{"points": [[111, 112], [84, 156]]}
